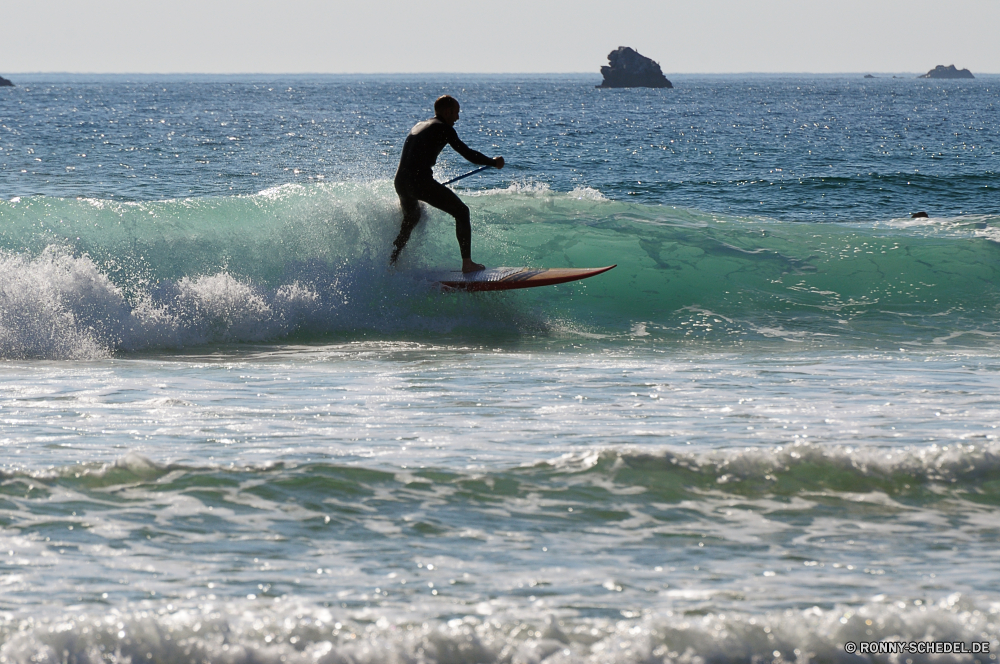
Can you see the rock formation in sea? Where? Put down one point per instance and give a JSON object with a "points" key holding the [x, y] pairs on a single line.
{"points": [[629, 69], [947, 72], [869, 76], [4, 81]]}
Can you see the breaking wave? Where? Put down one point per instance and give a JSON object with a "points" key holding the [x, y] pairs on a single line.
{"points": [[88, 278]]}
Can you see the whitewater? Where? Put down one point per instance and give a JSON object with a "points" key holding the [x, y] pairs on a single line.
{"points": [[229, 432]]}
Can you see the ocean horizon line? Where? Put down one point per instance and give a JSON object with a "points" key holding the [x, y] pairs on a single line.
{"points": [[463, 73]]}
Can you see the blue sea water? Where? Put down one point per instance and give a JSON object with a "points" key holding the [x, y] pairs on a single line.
{"points": [[230, 433]]}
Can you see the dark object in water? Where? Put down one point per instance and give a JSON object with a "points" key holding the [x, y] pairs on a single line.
{"points": [[919, 215], [947, 72], [4, 82], [869, 76], [629, 69]]}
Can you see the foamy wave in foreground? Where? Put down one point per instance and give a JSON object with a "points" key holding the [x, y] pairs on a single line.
{"points": [[275, 630], [58, 306]]}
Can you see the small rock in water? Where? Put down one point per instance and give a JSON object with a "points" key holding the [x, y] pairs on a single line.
{"points": [[629, 69], [5, 82], [919, 215]]}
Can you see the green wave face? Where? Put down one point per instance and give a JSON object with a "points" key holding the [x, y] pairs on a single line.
{"points": [[679, 269], [308, 261]]}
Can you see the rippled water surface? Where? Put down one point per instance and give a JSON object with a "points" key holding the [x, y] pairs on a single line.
{"points": [[229, 434]]}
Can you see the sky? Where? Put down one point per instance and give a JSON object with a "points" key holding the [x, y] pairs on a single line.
{"points": [[512, 36]]}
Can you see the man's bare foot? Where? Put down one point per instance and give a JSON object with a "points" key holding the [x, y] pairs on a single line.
{"points": [[469, 266]]}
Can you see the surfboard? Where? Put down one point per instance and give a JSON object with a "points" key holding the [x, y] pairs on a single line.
{"points": [[510, 278]]}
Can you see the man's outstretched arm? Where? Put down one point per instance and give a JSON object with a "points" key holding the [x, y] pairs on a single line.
{"points": [[474, 156]]}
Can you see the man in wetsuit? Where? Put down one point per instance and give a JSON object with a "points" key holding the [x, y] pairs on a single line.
{"points": [[415, 182]]}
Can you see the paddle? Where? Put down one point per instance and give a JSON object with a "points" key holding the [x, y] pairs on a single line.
{"points": [[481, 168]]}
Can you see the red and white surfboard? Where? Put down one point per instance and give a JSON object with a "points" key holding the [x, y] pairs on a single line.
{"points": [[509, 278]]}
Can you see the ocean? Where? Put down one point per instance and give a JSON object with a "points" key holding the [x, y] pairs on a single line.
{"points": [[230, 433]]}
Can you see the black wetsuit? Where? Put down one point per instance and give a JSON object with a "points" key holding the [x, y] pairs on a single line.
{"points": [[415, 181]]}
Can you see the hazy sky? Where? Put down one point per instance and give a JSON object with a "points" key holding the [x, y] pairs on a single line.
{"points": [[346, 36]]}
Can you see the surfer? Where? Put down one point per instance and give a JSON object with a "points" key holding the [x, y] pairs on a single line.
{"points": [[415, 181]]}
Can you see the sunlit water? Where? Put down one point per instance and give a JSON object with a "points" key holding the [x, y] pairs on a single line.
{"points": [[229, 434]]}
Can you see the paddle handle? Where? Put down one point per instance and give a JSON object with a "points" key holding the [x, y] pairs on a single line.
{"points": [[481, 168]]}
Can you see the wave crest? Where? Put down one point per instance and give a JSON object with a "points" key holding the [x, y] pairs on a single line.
{"points": [[800, 469]]}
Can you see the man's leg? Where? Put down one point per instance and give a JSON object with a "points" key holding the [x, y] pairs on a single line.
{"points": [[443, 198], [411, 216]]}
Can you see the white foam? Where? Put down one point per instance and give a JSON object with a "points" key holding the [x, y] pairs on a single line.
{"points": [[276, 631], [587, 194], [58, 306], [531, 189], [981, 226], [526, 188]]}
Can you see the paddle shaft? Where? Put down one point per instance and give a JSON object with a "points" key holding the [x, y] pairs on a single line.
{"points": [[481, 168]]}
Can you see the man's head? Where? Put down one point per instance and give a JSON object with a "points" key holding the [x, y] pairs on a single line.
{"points": [[446, 109]]}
